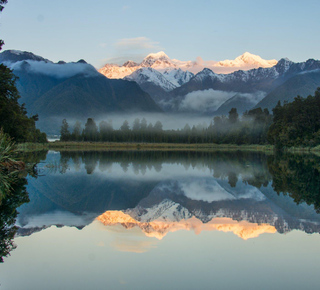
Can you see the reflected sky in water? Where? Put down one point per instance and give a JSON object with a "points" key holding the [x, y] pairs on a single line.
{"points": [[147, 220]]}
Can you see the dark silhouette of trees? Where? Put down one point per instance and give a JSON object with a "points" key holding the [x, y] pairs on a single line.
{"points": [[250, 129], [91, 130], [296, 123], [298, 176], [64, 132], [13, 116], [76, 134], [233, 116]]}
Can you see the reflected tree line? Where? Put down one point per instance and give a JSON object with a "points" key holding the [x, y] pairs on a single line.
{"points": [[295, 175], [292, 174], [298, 176], [13, 194], [225, 165]]}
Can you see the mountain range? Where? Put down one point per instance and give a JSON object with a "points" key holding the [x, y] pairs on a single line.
{"points": [[249, 81], [160, 61], [72, 89], [158, 83], [161, 193], [160, 207]]}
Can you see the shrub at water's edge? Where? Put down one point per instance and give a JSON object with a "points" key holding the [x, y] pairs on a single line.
{"points": [[8, 165]]}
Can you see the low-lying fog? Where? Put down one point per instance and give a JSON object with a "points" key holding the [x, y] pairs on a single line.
{"points": [[175, 121]]}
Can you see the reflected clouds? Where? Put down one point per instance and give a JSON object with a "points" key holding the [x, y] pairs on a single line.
{"points": [[139, 196]]}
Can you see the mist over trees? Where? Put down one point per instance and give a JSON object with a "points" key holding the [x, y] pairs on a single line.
{"points": [[292, 124], [251, 128]]}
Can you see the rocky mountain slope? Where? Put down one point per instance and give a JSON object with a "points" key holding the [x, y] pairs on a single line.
{"points": [[72, 89]]}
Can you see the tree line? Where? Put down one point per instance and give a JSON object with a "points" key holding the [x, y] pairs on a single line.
{"points": [[250, 129], [296, 123], [292, 124]]}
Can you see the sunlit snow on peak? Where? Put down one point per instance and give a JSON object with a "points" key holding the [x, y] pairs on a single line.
{"points": [[157, 55]]}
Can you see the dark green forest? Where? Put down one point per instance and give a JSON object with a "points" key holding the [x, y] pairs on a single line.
{"points": [[296, 123], [298, 176], [250, 129]]}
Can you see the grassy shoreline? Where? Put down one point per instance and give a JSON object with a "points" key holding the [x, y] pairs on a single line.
{"points": [[117, 146], [113, 146]]}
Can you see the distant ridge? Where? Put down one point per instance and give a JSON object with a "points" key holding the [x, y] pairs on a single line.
{"points": [[72, 89], [160, 61]]}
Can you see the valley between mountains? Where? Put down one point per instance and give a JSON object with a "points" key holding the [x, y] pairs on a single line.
{"points": [[156, 85]]}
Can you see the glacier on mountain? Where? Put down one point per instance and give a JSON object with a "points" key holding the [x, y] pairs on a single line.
{"points": [[161, 61], [148, 74]]}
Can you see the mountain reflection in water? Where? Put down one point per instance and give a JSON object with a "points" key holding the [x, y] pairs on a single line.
{"points": [[162, 192], [158, 229]]}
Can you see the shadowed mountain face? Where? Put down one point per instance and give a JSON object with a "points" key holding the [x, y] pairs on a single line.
{"points": [[301, 85], [80, 95], [162, 192], [77, 90], [260, 79], [72, 89]]}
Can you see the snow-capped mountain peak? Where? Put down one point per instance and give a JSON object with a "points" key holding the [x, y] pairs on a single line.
{"points": [[130, 63], [205, 73], [167, 79], [248, 59], [158, 61], [157, 55], [161, 62], [149, 75], [283, 65], [177, 76]]}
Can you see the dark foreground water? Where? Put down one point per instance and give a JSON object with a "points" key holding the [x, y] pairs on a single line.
{"points": [[165, 220]]}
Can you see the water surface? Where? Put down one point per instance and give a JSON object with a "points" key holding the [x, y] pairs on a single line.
{"points": [[168, 220]]}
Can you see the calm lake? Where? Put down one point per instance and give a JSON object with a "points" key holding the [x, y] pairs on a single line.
{"points": [[165, 220]]}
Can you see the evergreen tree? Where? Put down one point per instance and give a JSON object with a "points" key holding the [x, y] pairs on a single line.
{"points": [[76, 134], [136, 125], [158, 126], [233, 116], [143, 124], [125, 131], [91, 130], [106, 130], [64, 132], [125, 126], [2, 2]]}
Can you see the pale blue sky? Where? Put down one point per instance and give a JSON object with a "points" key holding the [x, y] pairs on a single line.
{"points": [[101, 31]]}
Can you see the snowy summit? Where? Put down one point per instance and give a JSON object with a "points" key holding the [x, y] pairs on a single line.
{"points": [[161, 62]]}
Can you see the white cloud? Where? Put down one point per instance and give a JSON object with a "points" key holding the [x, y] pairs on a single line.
{"points": [[254, 98], [206, 100], [204, 189], [56, 70], [209, 190]]}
